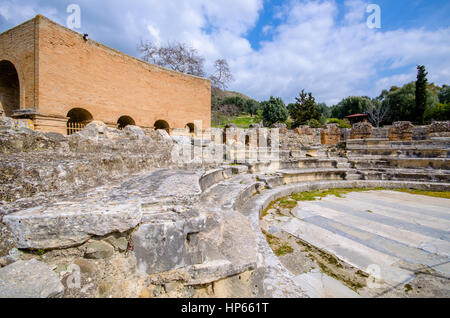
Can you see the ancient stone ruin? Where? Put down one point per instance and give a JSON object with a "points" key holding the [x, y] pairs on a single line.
{"points": [[361, 130], [401, 131], [139, 213], [138, 196]]}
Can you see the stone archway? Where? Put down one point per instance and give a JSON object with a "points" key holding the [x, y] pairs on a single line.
{"points": [[191, 128], [9, 88], [78, 119], [162, 125], [125, 121]]}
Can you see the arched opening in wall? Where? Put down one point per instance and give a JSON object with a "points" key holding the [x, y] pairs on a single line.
{"points": [[9, 88], [125, 121], [191, 128], [162, 125], [78, 119], [231, 128]]}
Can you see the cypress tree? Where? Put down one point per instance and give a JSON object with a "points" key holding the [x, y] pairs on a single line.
{"points": [[421, 94]]}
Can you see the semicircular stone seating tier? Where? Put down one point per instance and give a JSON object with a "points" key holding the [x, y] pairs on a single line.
{"points": [[212, 218]]}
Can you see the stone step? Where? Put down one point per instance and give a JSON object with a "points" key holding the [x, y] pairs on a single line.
{"points": [[359, 220], [406, 174], [319, 285], [350, 251], [382, 244], [367, 142], [353, 176], [408, 163], [433, 142], [303, 163], [303, 175], [411, 152]]}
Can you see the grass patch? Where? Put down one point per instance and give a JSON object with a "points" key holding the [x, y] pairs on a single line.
{"points": [[287, 204], [435, 194], [283, 250], [271, 239], [266, 211], [319, 194], [243, 121]]}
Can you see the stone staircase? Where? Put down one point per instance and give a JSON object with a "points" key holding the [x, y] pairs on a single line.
{"points": [[380, 159]]}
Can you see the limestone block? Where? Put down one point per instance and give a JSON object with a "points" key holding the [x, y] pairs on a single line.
{"points": [[29, 279], [331, 135], [99, 250], [401, 131], [439, 129], [163, 246], [362, 130], [66, 224]]}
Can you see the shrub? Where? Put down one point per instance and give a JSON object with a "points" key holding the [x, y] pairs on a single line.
{"points": [[274, 111], [314, 123], [342, 123]]}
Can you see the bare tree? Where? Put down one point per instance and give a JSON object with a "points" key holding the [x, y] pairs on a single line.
{"points": [[176, 56], [378, 113], [222, 75]]}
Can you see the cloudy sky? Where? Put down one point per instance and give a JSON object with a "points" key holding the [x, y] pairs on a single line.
{"points": [[275, 47]]}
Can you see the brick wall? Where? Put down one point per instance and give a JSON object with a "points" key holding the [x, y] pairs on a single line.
{"points": [[74, 73], [17, 46]]}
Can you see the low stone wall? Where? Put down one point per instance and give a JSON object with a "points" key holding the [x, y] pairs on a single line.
{"points": [[381, 133], [401, 131], [331, 135], [361, 130], [439, 129]]}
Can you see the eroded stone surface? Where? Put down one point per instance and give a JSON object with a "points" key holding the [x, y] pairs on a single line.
{"points": [[68, 224], [29, 279]]}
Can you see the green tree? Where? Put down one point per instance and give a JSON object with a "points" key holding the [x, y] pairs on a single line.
{"points": [[402, 103], [304, 109], [421, 95], [237, 101], [274, 111], [324, 110], [352, 105], [444, 94], [252, 107]]}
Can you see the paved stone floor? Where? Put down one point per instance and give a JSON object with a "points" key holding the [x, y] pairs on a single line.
{"points": [[387, 233]]}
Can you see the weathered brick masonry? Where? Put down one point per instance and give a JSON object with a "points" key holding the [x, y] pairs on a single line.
{"points": [[61, 75]]}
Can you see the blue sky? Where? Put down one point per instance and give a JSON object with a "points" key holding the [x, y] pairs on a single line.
{"points": [[275, 47]]}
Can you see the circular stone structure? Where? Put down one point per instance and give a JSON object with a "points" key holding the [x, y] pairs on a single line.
{"points": [[369, 243]]}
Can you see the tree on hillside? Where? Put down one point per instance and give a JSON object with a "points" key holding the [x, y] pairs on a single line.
{"points": [[324, 110], [401, 102], [175, 56], [252, 107], [421, 95], [222, 75], [304, 109], [444, 94], [274, 111], [233, 105]]}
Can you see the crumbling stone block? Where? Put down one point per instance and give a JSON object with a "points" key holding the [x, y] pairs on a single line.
{"points": [[439, 129], [331, 135], [401, 131], [29, 279], [362, 130]]}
